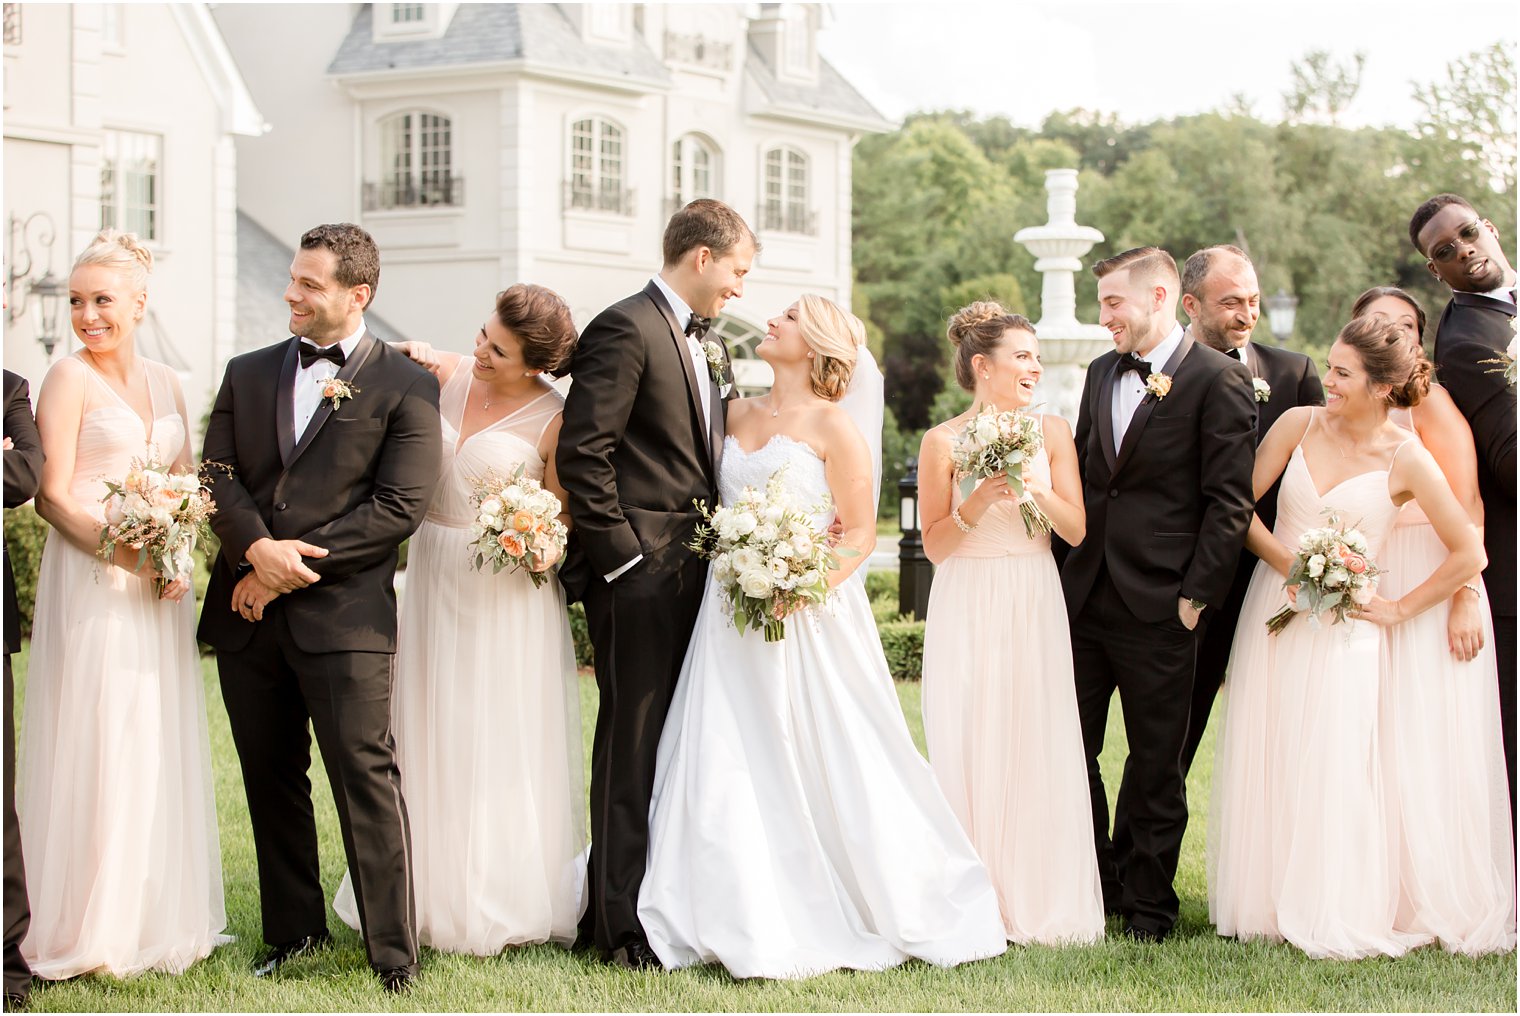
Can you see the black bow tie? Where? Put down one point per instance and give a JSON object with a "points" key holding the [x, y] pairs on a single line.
{"points": [[1139, 366], [311, 354], [697, 326]]}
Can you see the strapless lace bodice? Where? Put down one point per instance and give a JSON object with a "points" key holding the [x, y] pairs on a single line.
{"points": [[805, 484]]}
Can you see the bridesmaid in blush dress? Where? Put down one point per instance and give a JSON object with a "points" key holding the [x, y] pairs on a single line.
{"points": [[1000, 706], [1303, 829], [118, 823], [486, 710], [1443, 750]]}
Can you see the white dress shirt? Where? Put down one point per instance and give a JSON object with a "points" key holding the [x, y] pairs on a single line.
{"points": [[308, 381], [1129, 387], [683, 313]]}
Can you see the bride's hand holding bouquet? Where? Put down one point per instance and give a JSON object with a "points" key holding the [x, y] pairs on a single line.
{"points": [[155, 518]]}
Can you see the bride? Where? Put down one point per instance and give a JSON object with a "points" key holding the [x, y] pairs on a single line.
{"points": [[794, 828]]}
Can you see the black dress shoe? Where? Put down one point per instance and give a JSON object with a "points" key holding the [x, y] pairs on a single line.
{"points": [[1143, 934], [636, 956], [396, 979], [14, 1001], [277, 956]]}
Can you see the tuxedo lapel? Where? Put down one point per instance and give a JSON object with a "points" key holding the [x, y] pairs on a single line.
{"points": [[1104, 424], [284, 402], [683, 353], [347, 372], [1253, 361], [1148, 404], [717, 426], [1484, 301]]}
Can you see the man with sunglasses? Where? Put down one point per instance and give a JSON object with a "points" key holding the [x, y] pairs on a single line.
{"points": [[1475, 338]]}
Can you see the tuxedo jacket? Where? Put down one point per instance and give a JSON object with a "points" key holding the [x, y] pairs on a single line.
{"points": [[1168, 508], [1475, 328], [23, 471], [1294, 382], [634, 451], [357, 481]]}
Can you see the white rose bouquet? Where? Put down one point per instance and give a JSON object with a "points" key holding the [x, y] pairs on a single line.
{"points": [[994, 442], [767, 557], [161, 514], [1331, 573], [516, 520]]}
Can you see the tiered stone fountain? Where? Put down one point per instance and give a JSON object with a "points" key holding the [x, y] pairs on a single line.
{"points": [[1066, 345]]}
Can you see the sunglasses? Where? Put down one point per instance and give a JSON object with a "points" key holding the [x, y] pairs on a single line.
{"points": [[1468, 234]]}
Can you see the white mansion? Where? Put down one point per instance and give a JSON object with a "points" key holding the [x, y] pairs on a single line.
{"points": [[486, 144]]}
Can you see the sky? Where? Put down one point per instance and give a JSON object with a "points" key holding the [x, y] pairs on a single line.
{"points": [[1145, 59]]}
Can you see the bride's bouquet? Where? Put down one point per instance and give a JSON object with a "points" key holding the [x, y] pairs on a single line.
{"points": [[1332, 572], [768, 558], [161, 514], [515, 519], [994, 442]]}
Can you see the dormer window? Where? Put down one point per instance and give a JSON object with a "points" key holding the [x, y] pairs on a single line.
{"points": [[799, 56], [409, 22]]}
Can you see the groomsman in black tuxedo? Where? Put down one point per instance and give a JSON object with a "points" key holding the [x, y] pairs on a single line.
{"points": [[1223, 301], [1165, 440], [325, 448], [23, 471], [1476, 330], [641, 439]]}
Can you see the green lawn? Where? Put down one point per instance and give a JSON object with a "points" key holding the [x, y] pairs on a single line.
{"points": [[1194, 970]]}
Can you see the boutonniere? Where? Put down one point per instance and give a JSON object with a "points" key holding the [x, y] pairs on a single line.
{"points": [[716, 365], [1261, 389], [1159, 384], [335, 390], [1504, 363]]}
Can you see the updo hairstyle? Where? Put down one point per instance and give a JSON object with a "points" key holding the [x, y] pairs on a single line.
{"points": [[1388, 359], [542, 323], [978, 329], [122, 252], [836, 336]]}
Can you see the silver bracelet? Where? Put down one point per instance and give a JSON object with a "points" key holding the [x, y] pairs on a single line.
{"points": [[1473, 586], [960, 523]]}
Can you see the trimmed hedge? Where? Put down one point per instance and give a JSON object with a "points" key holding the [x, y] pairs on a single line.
{"points": [[25, 533], [901, 639]]}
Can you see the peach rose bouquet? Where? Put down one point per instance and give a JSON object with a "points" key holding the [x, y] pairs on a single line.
{"points": [[1331, 574], [162, 514], [516, 525]]}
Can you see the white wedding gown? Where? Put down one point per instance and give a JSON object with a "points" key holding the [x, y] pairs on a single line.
{"points": [[794, 827]]}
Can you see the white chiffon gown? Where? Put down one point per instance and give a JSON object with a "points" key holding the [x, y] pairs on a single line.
{"points": [[1443, 756], [794, 827], [118, 822], [486, 716], [1302, 840], [1000, 718]]}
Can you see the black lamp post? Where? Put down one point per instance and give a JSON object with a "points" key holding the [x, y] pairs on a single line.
{"points": [[1282, 309], [915, 572], [50, 293]]}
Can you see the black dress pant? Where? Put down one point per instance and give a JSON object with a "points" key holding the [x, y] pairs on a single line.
{"points": [[640, 624], [1151, 667], [1217, 635], [1504, 651], [18, 976], [276, 694]]}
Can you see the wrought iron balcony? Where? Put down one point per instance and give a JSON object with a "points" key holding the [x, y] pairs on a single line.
{"points": [[445, 191], [585, 197], [774, 218]]}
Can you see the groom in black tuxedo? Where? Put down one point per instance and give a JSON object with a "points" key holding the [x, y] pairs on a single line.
{"points": [[1476, 329], [23, 472], [1165, 440], [323, 455], [1223, 301], [641, 440]]}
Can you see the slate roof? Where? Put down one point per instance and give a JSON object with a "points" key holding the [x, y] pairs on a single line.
{"points": [[263, 271], [496, 33], [832, 95], [490, 33]]}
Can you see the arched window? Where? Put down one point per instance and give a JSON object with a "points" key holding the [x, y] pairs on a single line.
{"points": [[597, 170], [752, 375], [784, 200], [416, 163], [694, 170]]}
